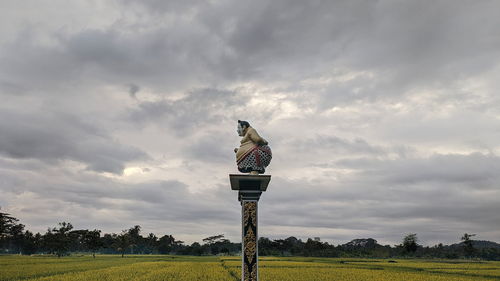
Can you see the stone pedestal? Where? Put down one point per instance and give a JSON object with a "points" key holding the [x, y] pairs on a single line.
{"points": [[249, 187]]}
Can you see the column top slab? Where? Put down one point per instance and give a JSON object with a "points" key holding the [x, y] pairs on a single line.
{"points": [[246, 182]]}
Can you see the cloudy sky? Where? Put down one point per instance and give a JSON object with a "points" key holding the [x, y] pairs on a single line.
{"points": [[383, 116]]}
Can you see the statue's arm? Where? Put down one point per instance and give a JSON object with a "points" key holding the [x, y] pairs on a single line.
{"points": [[254, 136]]}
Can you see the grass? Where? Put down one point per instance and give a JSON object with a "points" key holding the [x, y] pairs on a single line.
{"points": [[179, 268]]}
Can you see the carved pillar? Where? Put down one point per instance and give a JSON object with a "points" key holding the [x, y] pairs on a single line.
{"points": [[249, 187], [249, 246]]}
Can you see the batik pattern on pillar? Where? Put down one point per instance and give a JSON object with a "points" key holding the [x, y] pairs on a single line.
{"points": [[249, 241]]}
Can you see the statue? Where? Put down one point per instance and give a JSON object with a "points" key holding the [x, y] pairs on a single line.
{"points": [[254, 155]]}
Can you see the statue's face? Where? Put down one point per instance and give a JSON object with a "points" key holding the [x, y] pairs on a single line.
{"points": [[240, 130]]}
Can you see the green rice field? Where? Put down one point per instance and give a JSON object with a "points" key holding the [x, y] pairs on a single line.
{"points": [[179, 268]]}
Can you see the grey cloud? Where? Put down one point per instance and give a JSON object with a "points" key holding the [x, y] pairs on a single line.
{"points": [[212, 147], [386, 37], [276, 41], [419, 127], [29, 67], [281, 34], [477, 168], [412, 45], [173, 195], [365, 207], [53, 136], [339, 145], [358, 93], [405, 193], [167, 202], [133, 89], [158, 6], [96, 57], [195, 110]]}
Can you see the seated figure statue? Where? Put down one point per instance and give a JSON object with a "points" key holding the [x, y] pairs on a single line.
{"points": [[253, 155]]}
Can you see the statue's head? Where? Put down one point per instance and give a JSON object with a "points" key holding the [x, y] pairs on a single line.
{"points": [[242, 126]]}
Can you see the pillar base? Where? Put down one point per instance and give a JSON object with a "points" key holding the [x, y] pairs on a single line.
{"points": [[249, 187]]}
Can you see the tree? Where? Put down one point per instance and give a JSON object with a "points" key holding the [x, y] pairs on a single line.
{"points": [[6, 224], [196, 249], [108, 242], [410, 243], [216, 244], [151, 241], [266, 246], [212, 239], [313, 247], [135, 237], [165, 244], [16, 237], [92, 241], [57, 240], [122, 242], [31, 243], [468, 244]]}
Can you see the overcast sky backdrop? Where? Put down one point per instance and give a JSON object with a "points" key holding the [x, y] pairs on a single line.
{"points": [[383, 116]]}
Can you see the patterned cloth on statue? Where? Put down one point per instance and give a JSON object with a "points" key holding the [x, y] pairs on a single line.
{"points": [[256, 159]]}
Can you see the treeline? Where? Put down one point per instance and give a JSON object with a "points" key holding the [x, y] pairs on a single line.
{"points": [[64, 239], [369, 248]]}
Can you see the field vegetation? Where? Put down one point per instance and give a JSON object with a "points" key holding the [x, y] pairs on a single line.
{"points": [[179, 268]]}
